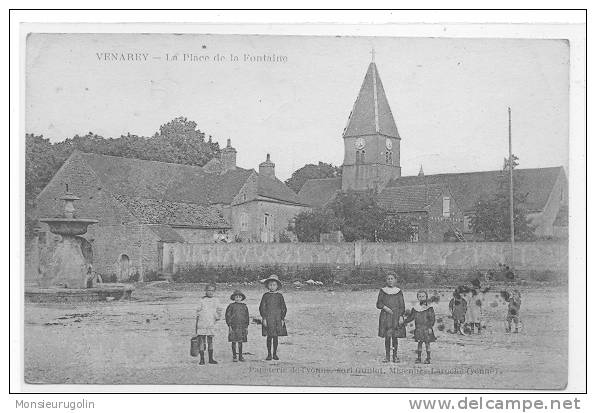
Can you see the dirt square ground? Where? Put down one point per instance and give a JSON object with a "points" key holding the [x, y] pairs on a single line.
{"points": [[332, 342]]}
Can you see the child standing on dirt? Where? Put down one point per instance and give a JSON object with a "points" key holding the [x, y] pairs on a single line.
{"points": [[474, 310], [423, 316], [514, 300], [208, 313], [237, 320], [391, 303], [273, 312], [458, 308]]}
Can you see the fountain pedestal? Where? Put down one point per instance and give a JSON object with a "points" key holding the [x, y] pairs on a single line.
{"points": [[67, 267]]}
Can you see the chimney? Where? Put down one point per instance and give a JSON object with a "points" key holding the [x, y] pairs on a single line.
{"points": [[267, 168], [228, 157]]}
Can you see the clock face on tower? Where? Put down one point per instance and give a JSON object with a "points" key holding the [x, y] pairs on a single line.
{"points": [[360, 143], [388, 144]]}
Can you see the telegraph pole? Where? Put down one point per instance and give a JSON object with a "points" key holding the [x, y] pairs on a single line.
{"points": [[511, 220]]}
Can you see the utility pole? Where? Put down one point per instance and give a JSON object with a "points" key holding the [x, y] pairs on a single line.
{"points": [[511, 220]]}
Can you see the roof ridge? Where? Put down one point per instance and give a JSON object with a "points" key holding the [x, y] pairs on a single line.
{"points": [[322, 179], [152, 160], [479, 172]]}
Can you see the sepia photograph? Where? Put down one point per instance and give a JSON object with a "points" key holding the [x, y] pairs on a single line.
{"points": [[296, 210]]}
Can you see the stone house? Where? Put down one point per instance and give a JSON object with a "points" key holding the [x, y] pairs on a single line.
{"points": [[142, 205], [430, 209]]}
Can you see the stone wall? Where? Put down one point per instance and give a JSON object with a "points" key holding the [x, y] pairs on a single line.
{"points": [[538, 256]]}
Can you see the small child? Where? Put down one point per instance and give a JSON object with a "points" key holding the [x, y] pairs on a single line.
{"points": [[423, 316], [391, 303], [458, 308], [474, 311], [514, 300], [208, 313], [273, 311], [237, 320]]}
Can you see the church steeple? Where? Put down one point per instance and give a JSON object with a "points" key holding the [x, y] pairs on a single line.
{"points": [[371, 112], [371, 139]]}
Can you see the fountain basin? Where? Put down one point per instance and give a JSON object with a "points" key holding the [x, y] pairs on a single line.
{"points": [[69, 226], [102, 292]]}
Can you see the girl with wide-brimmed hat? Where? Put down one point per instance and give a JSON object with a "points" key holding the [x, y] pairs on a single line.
{"points": [[237, 320], [273, 312]]}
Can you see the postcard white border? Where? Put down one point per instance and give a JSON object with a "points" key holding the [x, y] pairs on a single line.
{"points": [[446, 24]]}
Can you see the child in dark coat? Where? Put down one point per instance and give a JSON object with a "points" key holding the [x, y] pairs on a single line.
{"points": [[237, 320], [391, 303], [273, 312], [423, 316], [458, 308]]}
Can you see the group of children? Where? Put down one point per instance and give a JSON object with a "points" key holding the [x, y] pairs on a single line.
{"points": [[466, 311], [392, 319], [273, 313]]}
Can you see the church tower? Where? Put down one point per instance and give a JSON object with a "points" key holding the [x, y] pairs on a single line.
{"points": [[371, 140]]}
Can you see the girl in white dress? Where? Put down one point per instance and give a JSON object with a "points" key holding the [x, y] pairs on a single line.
{"points": [[208, 313]]}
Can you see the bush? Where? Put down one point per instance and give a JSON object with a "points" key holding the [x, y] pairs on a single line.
{"points": [[152, 276], [284, 237], [237, 274], [133, 278], [109, 278]]}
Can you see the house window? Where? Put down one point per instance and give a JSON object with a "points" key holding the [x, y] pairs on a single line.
{"points": [[446, 206], [414, 234], [467, 224], [389, 158], [244, 221], [266, 219]]}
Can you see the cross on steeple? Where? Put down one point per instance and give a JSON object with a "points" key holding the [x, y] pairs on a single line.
{"points": [[372, 54]]}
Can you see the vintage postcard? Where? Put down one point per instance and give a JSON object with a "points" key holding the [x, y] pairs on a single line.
{"points": [[341, 211]]}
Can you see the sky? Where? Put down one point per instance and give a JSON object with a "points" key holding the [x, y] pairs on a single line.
{"points": [[449, 97]]}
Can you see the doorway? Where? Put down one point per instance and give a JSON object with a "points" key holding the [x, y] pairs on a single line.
{"points": [[124, 268]]}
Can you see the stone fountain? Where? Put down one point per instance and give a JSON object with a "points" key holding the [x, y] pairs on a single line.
{"points": [[68, 267], [69, 276]]}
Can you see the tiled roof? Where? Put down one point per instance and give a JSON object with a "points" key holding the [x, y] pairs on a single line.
{"points": [[467, 188], [213, 166], [407, 198], [317, 192], [371, 112], [166, 233], [162, 180], [275, 189], [153, 211]]}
